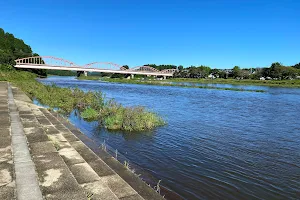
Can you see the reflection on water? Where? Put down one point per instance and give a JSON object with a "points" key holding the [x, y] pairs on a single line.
{"points": [[217, 144]]}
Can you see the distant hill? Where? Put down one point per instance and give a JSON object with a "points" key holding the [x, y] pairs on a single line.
{"points": [[12, 48]]}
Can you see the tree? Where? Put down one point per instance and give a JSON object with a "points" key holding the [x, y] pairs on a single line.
{"points": [[199, 72], [245, 74], [289, 72], [223, 74], [297, 66], [279, 71], [125, 66], [180, 67], [215, 72], [276, 70], [236, 72]]}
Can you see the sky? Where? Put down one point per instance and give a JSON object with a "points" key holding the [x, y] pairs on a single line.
{"points": [[215, 33]]}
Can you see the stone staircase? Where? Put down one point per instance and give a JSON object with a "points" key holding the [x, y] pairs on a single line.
{"points": [[64, 167]]}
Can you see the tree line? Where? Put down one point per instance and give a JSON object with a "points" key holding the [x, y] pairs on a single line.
{"points": [[162, 67], [276, 71], [12, 48]]}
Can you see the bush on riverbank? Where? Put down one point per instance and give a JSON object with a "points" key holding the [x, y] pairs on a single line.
{"points": [[92, 105]]}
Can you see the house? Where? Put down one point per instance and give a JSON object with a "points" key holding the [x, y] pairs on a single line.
{"points": [[262, 78], [211, 76]]}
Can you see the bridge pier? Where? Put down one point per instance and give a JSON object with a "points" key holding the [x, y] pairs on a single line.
{"points": [[85, 73], [132, 76], [79, 73], [165, 77]]}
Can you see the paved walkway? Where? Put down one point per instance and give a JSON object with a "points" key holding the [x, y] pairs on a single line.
{"points": [[26, 179], [41, 157], [7, 179]]}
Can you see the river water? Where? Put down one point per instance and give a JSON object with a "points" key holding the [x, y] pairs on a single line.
{"points": [[218, 144]]}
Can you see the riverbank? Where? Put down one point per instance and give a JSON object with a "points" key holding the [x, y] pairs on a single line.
{"points": [[92, 106], [272, 83], [51, 159], [167, 82]]}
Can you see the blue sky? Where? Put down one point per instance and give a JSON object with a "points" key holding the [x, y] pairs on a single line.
{"points": [[217, 33]]}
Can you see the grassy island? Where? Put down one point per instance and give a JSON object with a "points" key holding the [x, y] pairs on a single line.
{"points": [[91, 105]]}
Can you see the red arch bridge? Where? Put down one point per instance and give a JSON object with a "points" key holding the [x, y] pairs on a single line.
{"points": [[50, 62]]}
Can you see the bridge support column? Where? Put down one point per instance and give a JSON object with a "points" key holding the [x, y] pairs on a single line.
{"points": [[165, 77], [132, 76], [85, 73]]}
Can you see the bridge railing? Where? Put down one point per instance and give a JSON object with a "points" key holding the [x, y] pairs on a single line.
{"points": [[167, 71], [104, 65], [45, 60]]}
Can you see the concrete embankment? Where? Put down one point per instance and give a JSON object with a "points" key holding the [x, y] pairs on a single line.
{"points": [[42, 156]]}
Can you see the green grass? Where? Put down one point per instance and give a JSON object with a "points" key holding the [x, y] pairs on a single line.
{"points": [[91, 105], [272, 83], [166, 83]]}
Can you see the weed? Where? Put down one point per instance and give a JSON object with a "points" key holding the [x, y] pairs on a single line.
{"points": [[89, 196], [56, 146], [126, 164], [89, 114], [55, 143]]}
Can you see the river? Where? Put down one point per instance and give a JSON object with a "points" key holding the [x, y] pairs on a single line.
{"points": [[217, 144]]}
